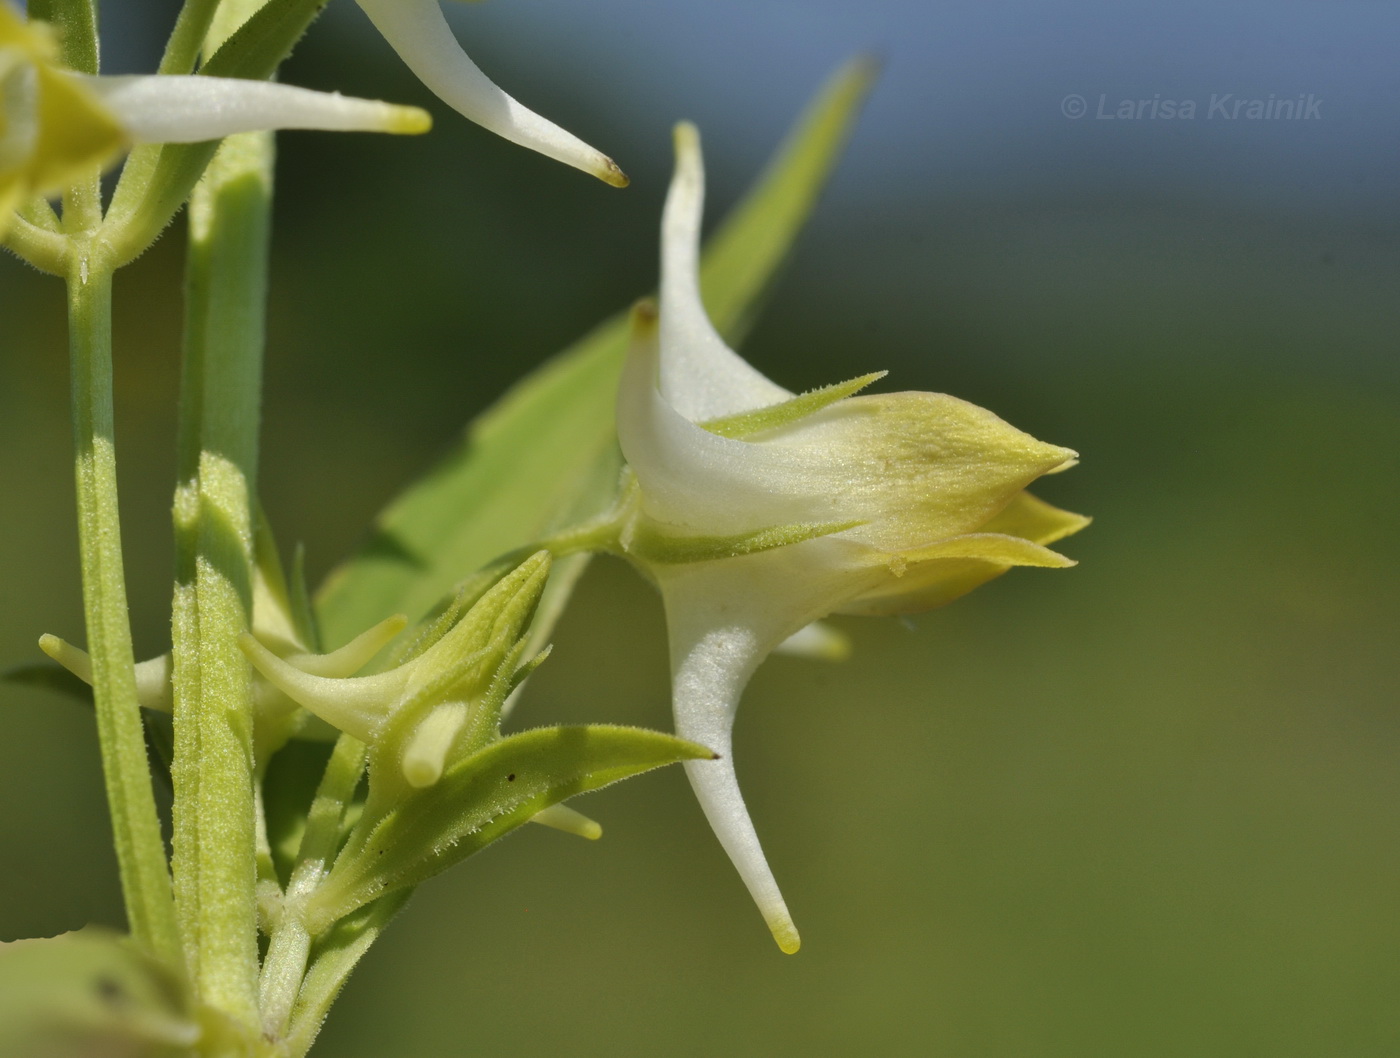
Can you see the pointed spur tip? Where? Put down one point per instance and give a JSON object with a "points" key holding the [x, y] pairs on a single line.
{"points": [[785, 933], [685, 135], [645, 314], [611, 173], [408, 121]]}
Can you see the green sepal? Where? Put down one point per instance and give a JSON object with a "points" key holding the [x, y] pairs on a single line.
{"points": [[651, 543], [91, 992], [748, 423], [483, 798]]}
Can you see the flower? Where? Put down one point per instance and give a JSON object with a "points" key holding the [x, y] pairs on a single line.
{"points": [[56, 126], [52, 130], [757, 512], [417, 30]]}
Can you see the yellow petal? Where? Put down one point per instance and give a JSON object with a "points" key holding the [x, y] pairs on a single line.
{"points": [[1034, 519], [33, 39], [76, 134], [933, 575], [917, 467]]}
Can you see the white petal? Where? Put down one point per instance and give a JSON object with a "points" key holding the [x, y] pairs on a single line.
{"points": [[708, 676], [693, 479], [701, 376], [356, 705], [724, 618], [354, 655], [922, 466], [417, 30], [171, 109], [152, 676]]}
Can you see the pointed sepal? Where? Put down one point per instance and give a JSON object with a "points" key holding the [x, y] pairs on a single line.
{"points": [[481, 799]]}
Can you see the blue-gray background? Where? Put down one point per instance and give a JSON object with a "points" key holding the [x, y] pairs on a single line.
{"points": [[1146, 807]]}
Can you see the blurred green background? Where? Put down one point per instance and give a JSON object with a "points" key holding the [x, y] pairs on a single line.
{"points": [[1147, 807]]}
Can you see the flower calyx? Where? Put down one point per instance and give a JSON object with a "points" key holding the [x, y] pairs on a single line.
{"points": [[438, 704]]}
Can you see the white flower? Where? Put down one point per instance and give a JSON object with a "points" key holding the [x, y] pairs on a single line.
{"points": [[417, 30], [757, 512], [56, 126]]}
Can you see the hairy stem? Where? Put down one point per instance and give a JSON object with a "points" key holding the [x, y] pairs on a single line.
{"points": [[215, 809], [135, 825]]}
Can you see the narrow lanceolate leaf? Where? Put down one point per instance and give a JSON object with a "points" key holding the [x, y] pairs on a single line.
{"points": [[545, 456], [481, 799]]}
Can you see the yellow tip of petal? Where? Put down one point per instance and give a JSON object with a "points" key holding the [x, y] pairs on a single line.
{"points": [[645, 315], [409, 121], [785, 933], [72, 658], [562, 817], [685, 136], [611, 173]]}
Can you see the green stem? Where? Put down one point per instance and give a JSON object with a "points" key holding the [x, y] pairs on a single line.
{"points": [[76, 22], [135, 825], [290, 947], [333, 959], [156, 181], [182, 49], [215, 810], [46, 250]]}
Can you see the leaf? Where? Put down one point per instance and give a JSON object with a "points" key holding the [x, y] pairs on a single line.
{"points": [[545, 456], [49, 676], [481, 799], [90, 993]]}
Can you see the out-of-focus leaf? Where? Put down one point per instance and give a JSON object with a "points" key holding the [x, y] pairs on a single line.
{"points": [[48, 676], [90, 994], [483, 798], [545, 455], [288, 788]]}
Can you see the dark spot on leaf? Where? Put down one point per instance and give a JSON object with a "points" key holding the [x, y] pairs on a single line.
{"points": [[510, 777], [110, 991]]}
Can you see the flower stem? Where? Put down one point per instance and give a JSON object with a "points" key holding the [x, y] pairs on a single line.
{"points": [[76, 22], [288, 952], [215, 811], [135, 825]]}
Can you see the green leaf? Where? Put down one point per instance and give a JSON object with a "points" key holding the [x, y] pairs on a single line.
{"points": [[481, 799], [545, 455], [49, 676], [90, 993]]}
